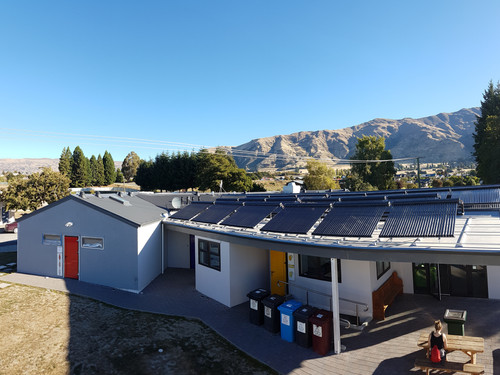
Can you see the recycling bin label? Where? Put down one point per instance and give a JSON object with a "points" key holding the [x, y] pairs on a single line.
{"points": [[285, 319], [254, 305], [267, 311], [317, 330], [301, 327]]}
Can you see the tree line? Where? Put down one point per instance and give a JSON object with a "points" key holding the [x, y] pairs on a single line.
{"points": [[202, 170], [83, 171]]}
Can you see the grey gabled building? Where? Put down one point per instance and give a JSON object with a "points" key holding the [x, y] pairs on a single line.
{"points": [[113, 240]]}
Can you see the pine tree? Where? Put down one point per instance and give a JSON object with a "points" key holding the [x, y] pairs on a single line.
{"points": [[487, 136], [119, 176], [99, 178], [93, 171], [79, 170], [65, 162], [109, 168]]}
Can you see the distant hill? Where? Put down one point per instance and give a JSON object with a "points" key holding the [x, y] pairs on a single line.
{"points": [[31, 165], [27, 166], [446, 137]]}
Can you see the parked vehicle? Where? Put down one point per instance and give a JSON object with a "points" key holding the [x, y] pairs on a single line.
{"points": [[11, 227]]}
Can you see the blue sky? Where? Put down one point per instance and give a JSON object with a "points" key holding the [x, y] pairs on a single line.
{"points": [[160, 73]]}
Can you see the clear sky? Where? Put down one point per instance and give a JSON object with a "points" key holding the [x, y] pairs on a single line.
{"points": [[210, 72]]}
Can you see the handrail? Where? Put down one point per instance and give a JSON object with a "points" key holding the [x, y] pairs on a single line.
{"points": [[323, 294]]}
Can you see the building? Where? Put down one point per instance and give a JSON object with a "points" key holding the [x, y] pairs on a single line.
{"points": [[113, 240], [331, 250]]}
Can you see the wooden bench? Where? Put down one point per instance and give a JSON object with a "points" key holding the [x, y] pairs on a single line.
{"points": [[427, 365], [385, 295]]}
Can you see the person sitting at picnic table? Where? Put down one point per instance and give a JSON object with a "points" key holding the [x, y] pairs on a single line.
{"points": [[438, 338]]}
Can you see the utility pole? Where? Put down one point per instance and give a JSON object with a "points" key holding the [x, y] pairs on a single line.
{"points": [[418, 172]]}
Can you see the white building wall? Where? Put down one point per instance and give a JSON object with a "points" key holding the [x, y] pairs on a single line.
{"points": [[405, 272], [493, 281], [249, 271], [177, 253], [355, 285], [212, 283], [148, 253]]}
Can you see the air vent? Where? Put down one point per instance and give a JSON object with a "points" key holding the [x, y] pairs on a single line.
{"points": [[118, 199]]}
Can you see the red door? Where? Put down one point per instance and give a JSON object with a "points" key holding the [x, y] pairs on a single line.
{"points": [[71, 257]]}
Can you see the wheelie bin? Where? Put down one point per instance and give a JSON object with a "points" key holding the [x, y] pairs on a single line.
{"points": [[303, 327], [271, 312], [287, 319], [321, 322], [256, 307]]}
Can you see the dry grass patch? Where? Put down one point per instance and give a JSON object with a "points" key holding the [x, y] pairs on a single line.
{"points": [[44, 331]]}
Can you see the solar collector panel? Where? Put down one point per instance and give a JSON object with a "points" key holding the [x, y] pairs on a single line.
{"points": [[249, 216], [215, 213], [423, 219], [351, 220], [297, 219], [190, 211]]}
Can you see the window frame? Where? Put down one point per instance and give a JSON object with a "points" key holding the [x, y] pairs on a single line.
{"points": [[211, 253], [314, 277], [53, 241], [84, 246], [383, 270]]}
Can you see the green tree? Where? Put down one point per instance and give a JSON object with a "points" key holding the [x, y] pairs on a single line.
{"points": [[380, 175], [79, 170], [32, 192], [65, 162], [119, 176], [145, 176], [130, 165], [320, 177], [93, 170], [99, 177], [212, 168], [109, 168], [487, 136]]}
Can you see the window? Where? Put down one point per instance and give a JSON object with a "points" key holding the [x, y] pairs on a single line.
{"points": [[52, 239], [382, 267], [209, 254], [92, 243], [318, 268]]}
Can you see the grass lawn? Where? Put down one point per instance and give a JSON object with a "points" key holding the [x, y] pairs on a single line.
{"points": [[49, 332]]}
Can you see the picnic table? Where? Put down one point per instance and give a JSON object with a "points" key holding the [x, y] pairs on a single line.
{"points": [[468, 344]]}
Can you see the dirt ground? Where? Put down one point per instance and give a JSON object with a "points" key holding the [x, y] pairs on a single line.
{"points": [[48, 332]]}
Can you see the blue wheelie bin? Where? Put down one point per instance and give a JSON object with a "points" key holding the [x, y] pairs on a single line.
{"points": [[287, 319]]}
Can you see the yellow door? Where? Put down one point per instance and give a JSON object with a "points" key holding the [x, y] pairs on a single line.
{"points": [[277, 262]]}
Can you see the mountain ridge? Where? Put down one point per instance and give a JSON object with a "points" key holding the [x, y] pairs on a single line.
{"points": [[445, 137]]}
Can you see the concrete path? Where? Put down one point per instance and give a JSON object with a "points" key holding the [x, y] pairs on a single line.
{"points": [[387, 347]]}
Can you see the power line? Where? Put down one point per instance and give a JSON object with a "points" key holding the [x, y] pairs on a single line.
{"points": [[142, 143]]}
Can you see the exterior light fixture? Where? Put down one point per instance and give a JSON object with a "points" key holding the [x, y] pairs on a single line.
{"points": [[69, 224]]}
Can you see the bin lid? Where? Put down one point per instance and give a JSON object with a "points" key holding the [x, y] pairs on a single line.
{"points": [[258, 294], [304, 311], [273, 300], [321, 316], [455, 315], [289, 306]]}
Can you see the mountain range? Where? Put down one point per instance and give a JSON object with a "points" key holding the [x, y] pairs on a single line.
{"points": [[445, 137]]}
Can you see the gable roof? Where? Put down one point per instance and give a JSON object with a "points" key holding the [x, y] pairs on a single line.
{"points": [[127, 208]]}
